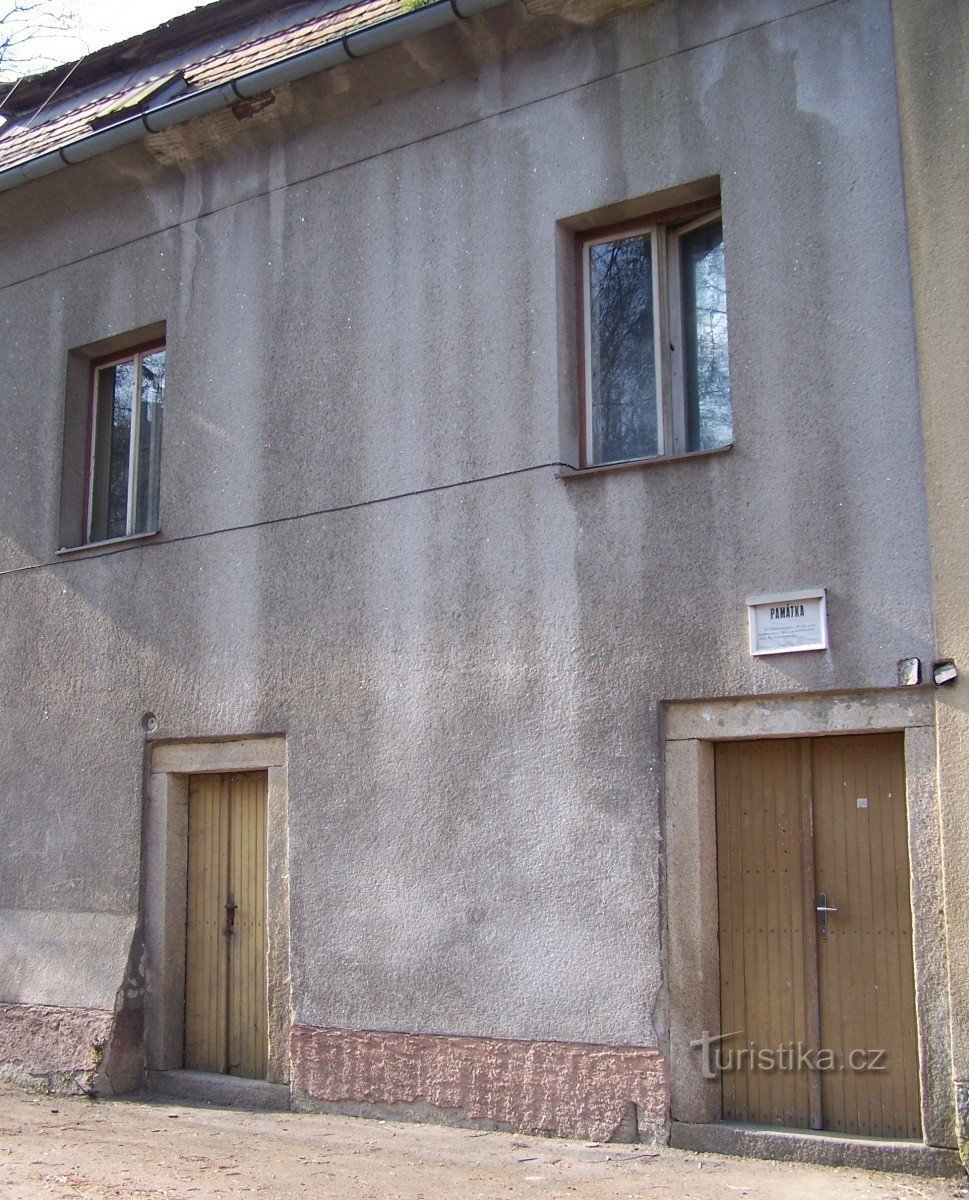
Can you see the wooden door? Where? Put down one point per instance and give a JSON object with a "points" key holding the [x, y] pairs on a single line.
{"points": [[226, 1015], [865, 966], [766, 927], [830, 997]]}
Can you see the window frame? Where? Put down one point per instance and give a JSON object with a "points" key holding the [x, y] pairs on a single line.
{"points": [[665, 229], [130, 353]]}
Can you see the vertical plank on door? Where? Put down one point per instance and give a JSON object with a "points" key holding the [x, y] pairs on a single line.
{"points": [[764, 978], [248, 1006], [865, 966], [205, 947], [812, 1038]]}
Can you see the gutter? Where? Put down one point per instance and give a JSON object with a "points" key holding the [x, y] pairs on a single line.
{"points": [[245, 87]]}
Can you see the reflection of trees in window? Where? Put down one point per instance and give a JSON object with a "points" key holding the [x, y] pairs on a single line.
{"points": [[149, 439], [631, 414], [127, 445], [623, 353], [709, 415], [120, 380]]}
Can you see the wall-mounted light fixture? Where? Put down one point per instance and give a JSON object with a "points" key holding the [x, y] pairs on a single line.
{"points": [[909, 672], [944, 672]]}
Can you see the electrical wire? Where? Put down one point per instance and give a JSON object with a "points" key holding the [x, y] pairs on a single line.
{"points": [[16, 84], [29, 122], [284, 520], [498, 113]]}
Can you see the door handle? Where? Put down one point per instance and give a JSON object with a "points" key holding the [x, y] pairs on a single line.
{"points": [[230, 916], [823, 908]]}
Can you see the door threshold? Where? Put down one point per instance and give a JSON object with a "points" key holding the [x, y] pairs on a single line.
{"points": [[230, 1091], [818, 1147]]}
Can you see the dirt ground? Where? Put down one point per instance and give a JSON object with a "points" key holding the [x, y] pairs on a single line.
{"points": [[152, 1147]]}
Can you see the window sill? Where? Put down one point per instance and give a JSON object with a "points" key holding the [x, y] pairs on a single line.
{"points": [[636, 463], [118, 543]]}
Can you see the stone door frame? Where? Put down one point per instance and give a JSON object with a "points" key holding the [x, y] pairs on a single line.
{"points": [[171, 765], [692, 957]]}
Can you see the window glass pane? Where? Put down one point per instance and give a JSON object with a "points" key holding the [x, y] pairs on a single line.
{"points": [[709, 418], [152, 392], [622, 351], [112, 444]]}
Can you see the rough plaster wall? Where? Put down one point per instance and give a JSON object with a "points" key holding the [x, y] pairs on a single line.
{"points": [[53, 1049], [539, 1087], [62, 957], [469, 680], [932, 45], [71, 1050]]}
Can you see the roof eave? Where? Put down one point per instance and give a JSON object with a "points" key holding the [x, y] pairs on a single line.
{"points": [[197, 104]]}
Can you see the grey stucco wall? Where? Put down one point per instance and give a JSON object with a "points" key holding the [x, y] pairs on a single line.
{"points": [[933, 90], [470, 679]]}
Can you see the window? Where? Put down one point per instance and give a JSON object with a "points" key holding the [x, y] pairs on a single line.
{"points": [[127, 393], [654, 340], [155, 92]]}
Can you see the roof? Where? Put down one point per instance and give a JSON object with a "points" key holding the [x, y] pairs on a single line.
{"points": [[209, 46]]}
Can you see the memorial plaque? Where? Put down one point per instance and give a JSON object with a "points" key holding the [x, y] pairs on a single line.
{"points": [[788, 623]]}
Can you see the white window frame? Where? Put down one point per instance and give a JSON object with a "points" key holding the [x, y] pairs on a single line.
{"points": [[135, 356], [670, 366]]}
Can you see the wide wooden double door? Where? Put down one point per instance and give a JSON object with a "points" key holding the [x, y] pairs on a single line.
{"points": [[226, 1009], [816, 935]]}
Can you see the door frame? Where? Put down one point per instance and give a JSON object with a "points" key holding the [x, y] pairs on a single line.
{"points": [[171, 765], [691, 950]]}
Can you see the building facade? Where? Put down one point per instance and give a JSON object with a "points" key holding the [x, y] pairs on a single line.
{"points": [[508, 666], [933, 88]]}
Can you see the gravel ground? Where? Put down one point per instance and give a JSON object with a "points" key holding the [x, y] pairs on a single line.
{"points": [[153, 1147]]}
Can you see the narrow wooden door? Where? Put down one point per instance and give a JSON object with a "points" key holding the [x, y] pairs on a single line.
{"points": [[226, 1015], [865, 965], [820, 1005], [767, 977]]}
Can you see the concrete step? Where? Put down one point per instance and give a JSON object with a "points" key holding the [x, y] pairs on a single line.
{"points": [[811, 1146], [229, 1091]]}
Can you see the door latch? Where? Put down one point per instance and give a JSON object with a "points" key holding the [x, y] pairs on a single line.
{"points": [[230, 916], [823, 907]]}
